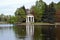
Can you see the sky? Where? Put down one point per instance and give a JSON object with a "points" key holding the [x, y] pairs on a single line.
{"points": [[8, 7]]}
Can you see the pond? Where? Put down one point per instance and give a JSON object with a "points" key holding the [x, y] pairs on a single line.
{"points": [[21, 33]]}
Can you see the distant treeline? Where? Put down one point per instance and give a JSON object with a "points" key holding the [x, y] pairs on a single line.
{"points": [[41, 11], [4, 18], [7, 18]]}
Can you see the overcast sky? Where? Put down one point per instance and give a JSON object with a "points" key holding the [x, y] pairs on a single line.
{"points": [[8, 7]]}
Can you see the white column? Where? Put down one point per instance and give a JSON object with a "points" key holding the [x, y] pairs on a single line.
{"points": [[28, 19], [33, 19]]}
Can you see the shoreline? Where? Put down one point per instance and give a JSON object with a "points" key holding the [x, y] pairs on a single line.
{"points": [[39, 23]]}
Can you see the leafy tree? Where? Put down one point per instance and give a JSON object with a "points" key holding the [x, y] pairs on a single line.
{"points": [[57, 6], [45, 14], [2, 17], [20, 14], [38, 10], [13, 19]]}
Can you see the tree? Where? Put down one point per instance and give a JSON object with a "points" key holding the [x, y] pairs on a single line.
{"points": [[38, 10], [51, 15], [2, 17], [57, 6], [45, 14], [12, 19], [20, 14]]}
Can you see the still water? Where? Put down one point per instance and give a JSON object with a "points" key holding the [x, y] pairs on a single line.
{"points": [[22, 32]]}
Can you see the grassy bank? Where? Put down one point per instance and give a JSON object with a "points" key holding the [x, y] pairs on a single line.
{"points": [[39, 23]]}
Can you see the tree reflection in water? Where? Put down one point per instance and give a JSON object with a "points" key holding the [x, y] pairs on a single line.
{"points": [[37, 32], [20, 31], [40, 32], [49, 32], [45, 32]]}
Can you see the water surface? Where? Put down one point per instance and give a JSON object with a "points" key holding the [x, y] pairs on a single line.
{"points": [[20, 33]]}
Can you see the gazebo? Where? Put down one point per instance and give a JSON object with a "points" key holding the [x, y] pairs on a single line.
{"points": [[29, 17]]}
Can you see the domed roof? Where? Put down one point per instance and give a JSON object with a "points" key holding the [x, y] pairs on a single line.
{"points": [[30, 15]]}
